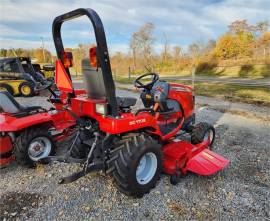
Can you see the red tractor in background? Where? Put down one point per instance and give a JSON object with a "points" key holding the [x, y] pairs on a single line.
{"points": [[29, 133], [134, 147]]}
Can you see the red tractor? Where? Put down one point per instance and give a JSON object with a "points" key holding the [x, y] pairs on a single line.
{"points": [[134, 147], [29, 133]]}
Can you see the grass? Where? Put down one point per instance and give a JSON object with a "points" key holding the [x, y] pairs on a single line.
{"points": [[205, 70], [233, 92], [244, 71]]}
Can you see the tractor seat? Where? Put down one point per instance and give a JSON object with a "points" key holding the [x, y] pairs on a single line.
{"points": [[125, 102], [9, 105]]}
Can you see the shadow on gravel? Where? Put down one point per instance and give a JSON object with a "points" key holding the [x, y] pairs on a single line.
{"points": [[16, 204]]}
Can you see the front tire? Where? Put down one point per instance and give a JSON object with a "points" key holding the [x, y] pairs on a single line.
{"points": [[27, 89], [201, 132], [32, 145], [137, 165]]}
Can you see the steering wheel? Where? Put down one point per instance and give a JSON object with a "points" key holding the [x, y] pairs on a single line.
{"points": [[148, 86]]}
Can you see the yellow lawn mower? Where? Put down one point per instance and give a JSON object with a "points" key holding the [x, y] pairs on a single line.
{"points": [[18, 77]]}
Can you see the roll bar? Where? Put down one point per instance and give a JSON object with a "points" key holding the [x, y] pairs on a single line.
{"points": [[102, 50]]}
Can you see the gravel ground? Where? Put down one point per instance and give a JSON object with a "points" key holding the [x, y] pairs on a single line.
{"points": [[240, 192]]}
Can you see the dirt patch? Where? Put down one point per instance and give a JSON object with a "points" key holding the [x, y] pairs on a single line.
{"points": [[15, 204], [202, 211]]}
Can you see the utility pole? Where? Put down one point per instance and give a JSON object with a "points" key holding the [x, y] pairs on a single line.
{"points": [[42, 42]]}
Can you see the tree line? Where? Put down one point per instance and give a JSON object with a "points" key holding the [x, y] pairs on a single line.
{"points": [[243, 43], [42, 56]]}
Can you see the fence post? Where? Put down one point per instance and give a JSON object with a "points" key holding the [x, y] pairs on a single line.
{"points": [[129, 72]]}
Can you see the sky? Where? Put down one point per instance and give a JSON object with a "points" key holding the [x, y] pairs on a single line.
{"points": [[24, 22]]}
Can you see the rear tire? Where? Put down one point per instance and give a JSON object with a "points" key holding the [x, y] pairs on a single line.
{"points": [[28, 141], [200, 133], [27, 89], [136, 165], [6, 87]]}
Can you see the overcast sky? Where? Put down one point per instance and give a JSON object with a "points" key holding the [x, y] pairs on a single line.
{"points": [[23, 22]]}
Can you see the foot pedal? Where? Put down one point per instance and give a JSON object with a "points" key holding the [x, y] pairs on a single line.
{"points": [[206, 163]]}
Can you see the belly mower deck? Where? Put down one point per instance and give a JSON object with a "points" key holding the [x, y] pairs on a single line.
{"points": [[181, 156]]}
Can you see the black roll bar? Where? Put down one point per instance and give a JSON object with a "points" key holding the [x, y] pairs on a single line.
{"points": [[102, 50]]}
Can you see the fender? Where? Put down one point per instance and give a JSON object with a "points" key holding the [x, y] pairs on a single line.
{"points": [[12, 124]]}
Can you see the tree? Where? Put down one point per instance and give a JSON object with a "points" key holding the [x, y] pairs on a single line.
{"points": [[177, 53], [226, 47], [134, 46], [141, 43], [3, 52], [194, 50], [262, 26], [165, 52], [240, 26], [238, 42], [263, 43], [210, 46]]}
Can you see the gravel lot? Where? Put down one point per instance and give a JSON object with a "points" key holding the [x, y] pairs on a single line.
{"points": [[240, 192]]}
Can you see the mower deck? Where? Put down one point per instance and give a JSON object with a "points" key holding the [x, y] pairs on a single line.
{"points": [[182, 156]]}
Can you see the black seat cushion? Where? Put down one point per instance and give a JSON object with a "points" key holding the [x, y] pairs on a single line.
{"points": [[125, 102], [9, 105]]}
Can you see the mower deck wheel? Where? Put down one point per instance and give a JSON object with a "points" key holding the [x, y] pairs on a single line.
{"points": [[32, 145], [137, 165], [202, 132], [175, 178], [26, 89]]}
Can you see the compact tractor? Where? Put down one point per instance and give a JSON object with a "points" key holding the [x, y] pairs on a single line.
{"points": [[134, 147]]}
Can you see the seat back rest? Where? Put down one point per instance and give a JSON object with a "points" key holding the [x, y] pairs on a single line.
{"points": [[8, 104], [94, 81]]}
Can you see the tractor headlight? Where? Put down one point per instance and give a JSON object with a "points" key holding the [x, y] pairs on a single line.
{"points": [[101, 109]]}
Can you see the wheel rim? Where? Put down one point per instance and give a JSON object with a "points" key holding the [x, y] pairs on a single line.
{"points": [[146, 168], [39, 147], [209, 136], [26, 90]]}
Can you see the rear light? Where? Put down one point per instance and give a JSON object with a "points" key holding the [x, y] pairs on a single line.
{"points": [[101, 108], [67, 59], [93, 57]]}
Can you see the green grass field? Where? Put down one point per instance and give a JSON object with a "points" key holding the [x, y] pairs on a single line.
{"points": [[239, 71], [233, 92], [244, 71]]}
